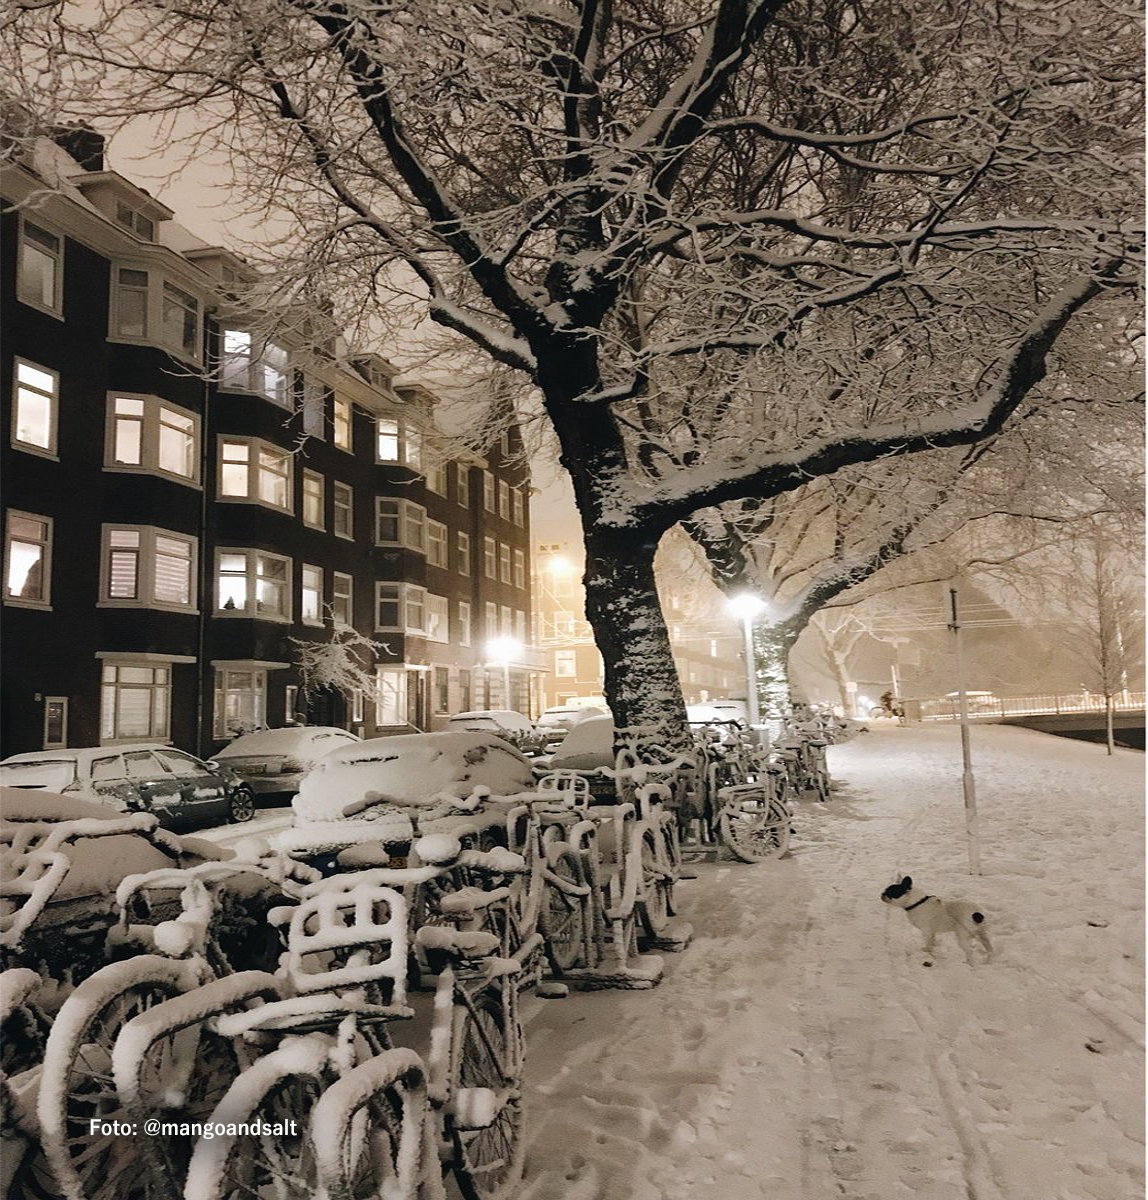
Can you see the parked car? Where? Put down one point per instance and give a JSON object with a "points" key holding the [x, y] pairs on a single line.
{"points": [[589, 746], [556, 722], [503, 721], [181, 790], [274, 760]]}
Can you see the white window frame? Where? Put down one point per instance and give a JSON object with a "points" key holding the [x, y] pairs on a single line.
{"points": [[254, 372], [437, 618], [342, 598], [490, 620], [308, 497], [151, 425], [48, 397], [465, 626], [223, 687], [519, 568], [398, 442], [256, 471], [565, 664], [389, 592], [489, 558], [44, 601], [436, 479], [407, 597], [437, 544], [504, 573], [62, 741], [342, 423], [342, 503], [518, 507], [147, 555], [462, 484], [153, 312], [488, 491], [505, 621], [313, 408], [310, 585], [159, 701], [252, 576], [54, 307], [504, 499], [390, 696], [412, 523], [462, 553]]}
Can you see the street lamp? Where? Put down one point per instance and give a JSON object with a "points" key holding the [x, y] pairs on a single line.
{"points": [[503, 650], [746, 606]]}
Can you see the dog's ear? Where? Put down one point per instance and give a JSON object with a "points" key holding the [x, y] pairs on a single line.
{"points": [[906, 882]]}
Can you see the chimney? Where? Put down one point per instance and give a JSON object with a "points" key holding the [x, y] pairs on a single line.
{"points": [[85, 145]]}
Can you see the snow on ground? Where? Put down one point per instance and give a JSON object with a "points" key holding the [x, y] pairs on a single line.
{"points": [[800, 1050]]}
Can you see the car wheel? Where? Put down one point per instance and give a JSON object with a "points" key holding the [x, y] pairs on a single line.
{"points": [[241, 806]]}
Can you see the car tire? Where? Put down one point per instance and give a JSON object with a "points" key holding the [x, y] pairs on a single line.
{"points": [[241, 806]]}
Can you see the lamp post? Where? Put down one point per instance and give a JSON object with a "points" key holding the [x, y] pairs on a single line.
{"points": [[746, 606], [503, 650]]}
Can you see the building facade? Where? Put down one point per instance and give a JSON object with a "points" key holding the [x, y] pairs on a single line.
{"points": [[189, 501]]}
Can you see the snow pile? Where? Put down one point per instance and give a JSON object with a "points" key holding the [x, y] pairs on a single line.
{"points": [[800, 1050]]}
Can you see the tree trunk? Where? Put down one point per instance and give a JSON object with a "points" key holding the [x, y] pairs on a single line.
{"points": [[1109, 723], [622, 606], [772, 645]]}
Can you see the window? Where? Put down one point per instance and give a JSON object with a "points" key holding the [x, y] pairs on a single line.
{"points": [[247, 364], [564, 665], [504, 499], [130, 218], [400, 523], [398, 442], [148, 568], [311, 598], [504, 562], [518, 506], [34, 413], [506, 620], [520, 624], [39, 269], [55, 722], [464, 628], [148, 434], [464, 691], [256, 471], [462, 484], [489, 558], [312, 404], [148, 308], [252, 583], [341, 422], [342, 514], [356, 697], [400, 607], [488, 491], [436, 479], [135, 701], [28, 558], [490, 623], [240, 701], [342, 608], [519, 569], [464, 554], [391, 698], [441, 690], [437, 619], [415, 608], [436, 544], [313, 499]]}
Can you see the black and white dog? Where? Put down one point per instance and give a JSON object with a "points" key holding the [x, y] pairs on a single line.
{"points": [[932, 916]]}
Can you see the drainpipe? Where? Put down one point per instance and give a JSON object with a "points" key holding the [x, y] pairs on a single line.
{"points": [[204, 582]]}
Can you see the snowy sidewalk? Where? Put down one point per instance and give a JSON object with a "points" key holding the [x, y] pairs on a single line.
{"points": [[799, 1049]]}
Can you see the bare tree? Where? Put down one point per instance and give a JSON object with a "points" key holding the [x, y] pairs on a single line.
{"points": [[735, 246], [344, 663]]}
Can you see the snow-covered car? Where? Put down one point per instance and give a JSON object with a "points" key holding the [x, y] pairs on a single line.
{"points": [[716, 711], [516, 728], [409, 770], [274, 760], [182, 791], [557, 721], [589, 746]]}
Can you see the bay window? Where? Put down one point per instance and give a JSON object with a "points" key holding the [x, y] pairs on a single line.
{"points": [[135, 701], [148, 568], [256, 471], [148, 434], [253, 583], [396, 441], [251, 364], [400, 523], [148, 308]]}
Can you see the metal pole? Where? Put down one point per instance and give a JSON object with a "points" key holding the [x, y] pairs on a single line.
{"points": [[506, 682], [752, 709], [968, 783]]}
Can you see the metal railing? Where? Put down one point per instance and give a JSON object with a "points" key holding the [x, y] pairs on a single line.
{"points": [[988, 707]]}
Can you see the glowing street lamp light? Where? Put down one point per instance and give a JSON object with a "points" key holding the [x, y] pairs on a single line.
{"points": [[504, 650], [746, 606]]}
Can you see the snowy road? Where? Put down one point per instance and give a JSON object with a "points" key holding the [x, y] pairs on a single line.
{"points": [[800, 1050]]}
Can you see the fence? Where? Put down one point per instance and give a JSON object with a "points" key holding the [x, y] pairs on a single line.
{"points": [[987, 707]]}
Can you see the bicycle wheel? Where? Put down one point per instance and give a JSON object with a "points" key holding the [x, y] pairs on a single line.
{"points": [[821, 783], [563, 916], [368, 1130], [756, 830], [275, 1096], [77, 1087], [486, 1056], [655, 901]]}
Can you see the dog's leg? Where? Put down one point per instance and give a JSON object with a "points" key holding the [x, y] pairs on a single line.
{"points": [[966, 943], [983, 937]]}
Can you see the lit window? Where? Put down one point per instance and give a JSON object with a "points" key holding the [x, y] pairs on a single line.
{"points": [[342, 607], [256, 471], [504, 562], [34, 413], [437, 619], [517, 506], [40, 268], [489, 558], [397, 442], [313, 499], [135, 701], [464, 623], [436, 544], [463, 558], [311, 598], [148, 568], [504, 499], [146, 307], [436, 479], [240, 702], [253, 584], [462, 484], [27, 558], [490, 622], [488, 491], [148, 434], [249, 365], [342, 510], [519, 569], [391, 696], [341, 422], [506, 621], [313, 405]]}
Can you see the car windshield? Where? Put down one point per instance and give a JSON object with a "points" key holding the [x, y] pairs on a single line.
{"points": [[52, 774]]}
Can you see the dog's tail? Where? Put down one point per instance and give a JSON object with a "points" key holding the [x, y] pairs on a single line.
{"points": [[978, 918]]}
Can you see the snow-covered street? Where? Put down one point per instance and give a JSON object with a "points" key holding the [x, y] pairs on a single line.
{"points": [[800, 1050]]}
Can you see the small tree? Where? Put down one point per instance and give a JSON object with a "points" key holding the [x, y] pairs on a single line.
{"points": [[344, 663]]}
